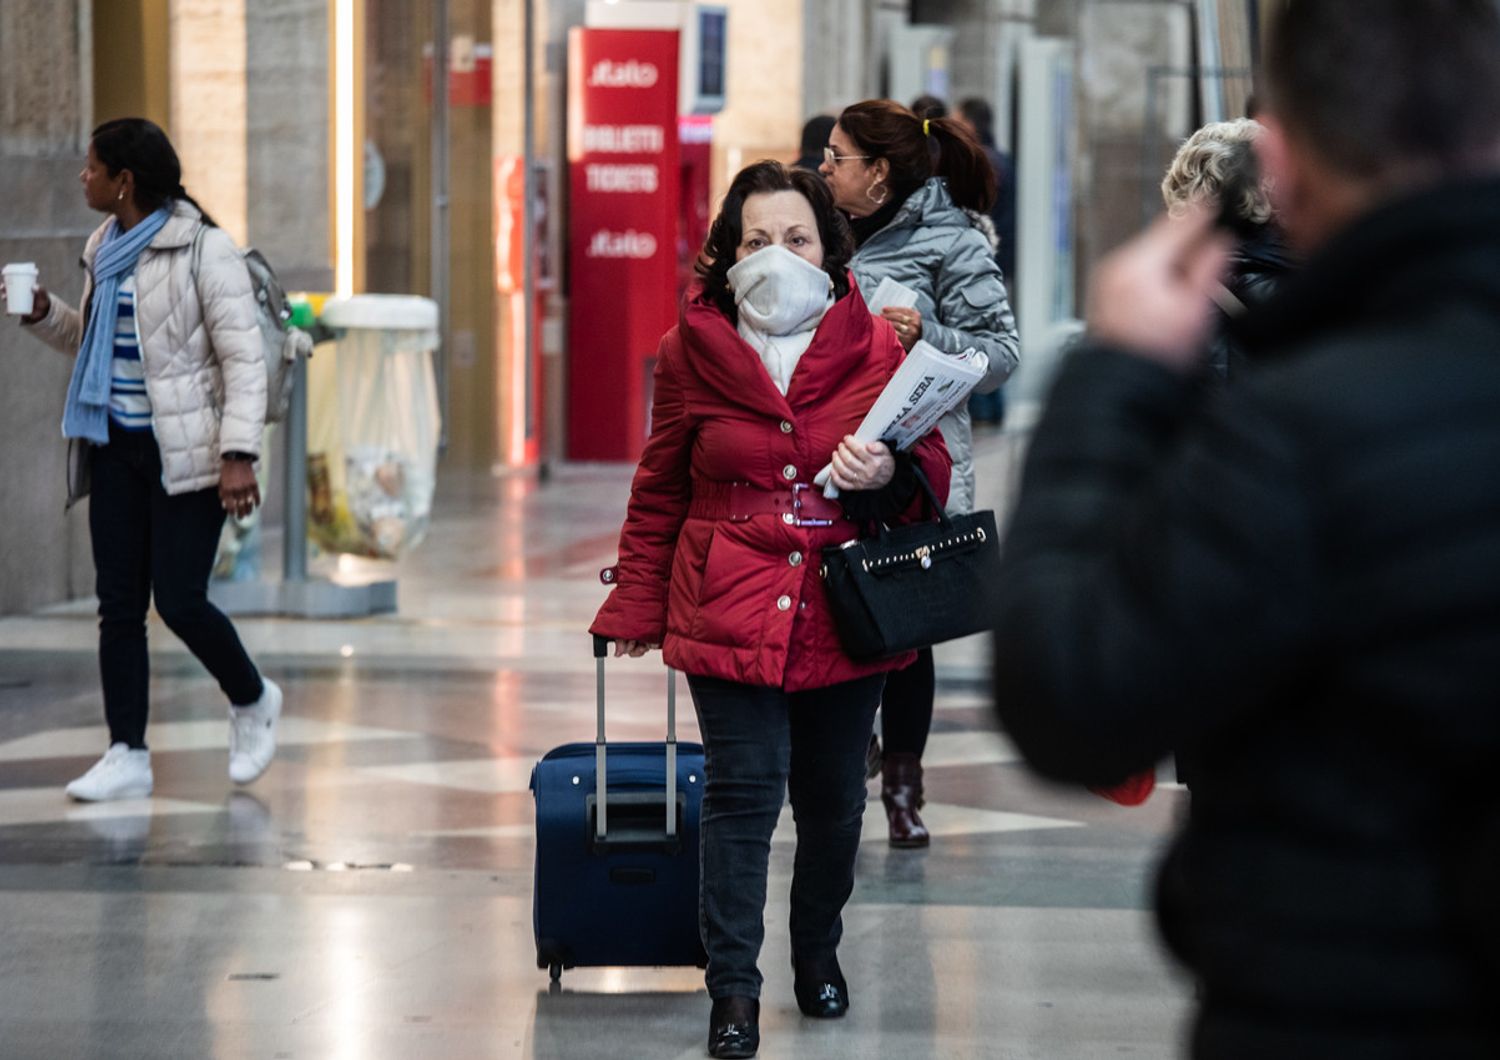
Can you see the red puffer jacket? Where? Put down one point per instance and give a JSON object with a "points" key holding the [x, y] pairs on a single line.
{"points": [[730, 596]]}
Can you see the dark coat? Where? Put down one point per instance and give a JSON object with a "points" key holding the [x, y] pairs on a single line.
{"points": [[744, 600], [1297, 577], [1003, 213], [1256, 268]]}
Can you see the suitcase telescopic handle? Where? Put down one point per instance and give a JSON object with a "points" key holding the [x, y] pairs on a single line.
{"points": [[601, 758]]}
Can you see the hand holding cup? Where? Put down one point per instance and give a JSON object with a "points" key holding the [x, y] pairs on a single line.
{"points": [[24, 297]]}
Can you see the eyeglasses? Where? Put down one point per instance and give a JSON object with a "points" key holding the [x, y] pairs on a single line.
{"points": [[834, 159]]}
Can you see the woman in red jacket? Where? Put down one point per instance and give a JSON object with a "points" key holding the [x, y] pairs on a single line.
{"points": [[772, 366]]}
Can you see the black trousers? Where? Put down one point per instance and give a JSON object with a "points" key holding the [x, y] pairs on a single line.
{"points": [[760, 745], [906, 710], [148, 543]]}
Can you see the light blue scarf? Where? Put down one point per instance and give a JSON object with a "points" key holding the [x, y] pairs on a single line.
{"points": [[86, 415]]}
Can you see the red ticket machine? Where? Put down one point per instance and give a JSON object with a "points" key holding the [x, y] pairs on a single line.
{"points": [[623, 232]]}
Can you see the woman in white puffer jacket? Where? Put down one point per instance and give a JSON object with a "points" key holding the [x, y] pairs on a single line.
{"points": [[169, 393]]}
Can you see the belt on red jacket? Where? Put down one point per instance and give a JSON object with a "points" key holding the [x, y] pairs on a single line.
{"points": [[798, 504]]}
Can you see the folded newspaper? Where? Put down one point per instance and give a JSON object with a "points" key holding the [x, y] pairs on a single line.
{"points": [[928, 384]]}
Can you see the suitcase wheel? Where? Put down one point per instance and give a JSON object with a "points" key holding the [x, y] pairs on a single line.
{"points": [[552, 957]]}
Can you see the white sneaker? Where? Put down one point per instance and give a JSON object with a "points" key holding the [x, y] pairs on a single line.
{"points": [[120, 774], [252, 734]]}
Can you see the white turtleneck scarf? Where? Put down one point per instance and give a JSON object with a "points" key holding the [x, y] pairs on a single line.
{"points": [[781, 300]]}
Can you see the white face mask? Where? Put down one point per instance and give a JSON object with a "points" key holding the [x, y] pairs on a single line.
{"points": [[778, 293]]}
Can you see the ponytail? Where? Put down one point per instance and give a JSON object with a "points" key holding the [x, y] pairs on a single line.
{"points": [[963, 164], [182, 195], [918, 149]]}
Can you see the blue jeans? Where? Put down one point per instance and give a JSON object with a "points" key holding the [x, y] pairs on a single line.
{"points": [[147, 544], [761, 744]]}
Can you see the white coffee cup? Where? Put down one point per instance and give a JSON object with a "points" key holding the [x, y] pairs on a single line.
{"points": [[20, 281]]}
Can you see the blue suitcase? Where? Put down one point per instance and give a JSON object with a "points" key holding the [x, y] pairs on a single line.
{"points": [[616, 872]]}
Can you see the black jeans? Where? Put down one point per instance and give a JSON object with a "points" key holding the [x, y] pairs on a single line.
{"points": [[906, 710], [146, 542], [760, 744]]}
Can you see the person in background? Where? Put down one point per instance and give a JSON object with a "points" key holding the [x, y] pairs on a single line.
{"points": [[979, 117], [1217, 158], [169, 393], [814, 136], [774, 364], [929, 106], [916, 191], [1297, 576]]}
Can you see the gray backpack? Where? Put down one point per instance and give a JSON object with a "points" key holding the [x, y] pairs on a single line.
{"points": [[282, 345]]}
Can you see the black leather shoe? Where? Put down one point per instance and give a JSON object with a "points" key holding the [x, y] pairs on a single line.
{"points": [[820, 988], [734, 1027]]}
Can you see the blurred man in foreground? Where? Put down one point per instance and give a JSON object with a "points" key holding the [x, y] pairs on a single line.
{"points": [[1298, 578]]}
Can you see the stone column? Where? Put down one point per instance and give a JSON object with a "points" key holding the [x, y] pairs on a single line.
{"points": [[840, 60], [1135, 103], [986, 54], [45, 113], [286, 128], [1057, 18], [208, 107]]}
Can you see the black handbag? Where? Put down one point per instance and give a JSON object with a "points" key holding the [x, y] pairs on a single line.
{"points": [[913, 586]]}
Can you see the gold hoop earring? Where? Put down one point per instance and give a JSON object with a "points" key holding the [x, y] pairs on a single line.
{"points": [[884, 193]]}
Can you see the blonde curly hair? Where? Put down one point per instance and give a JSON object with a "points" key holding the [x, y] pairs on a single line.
{"points": [[1205, 163]]}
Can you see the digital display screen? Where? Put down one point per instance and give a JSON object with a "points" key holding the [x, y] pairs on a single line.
{"points": [[712, 30]]}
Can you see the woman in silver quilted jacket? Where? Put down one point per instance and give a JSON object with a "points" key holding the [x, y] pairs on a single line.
{"points": [[168, 393], [917, 193]]}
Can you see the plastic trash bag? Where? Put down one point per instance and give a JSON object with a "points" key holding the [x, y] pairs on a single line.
{"points": [[373, 430], [238, 558]]}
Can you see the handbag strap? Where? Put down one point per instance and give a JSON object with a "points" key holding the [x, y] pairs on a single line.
{"points": [[932, 497], [935, 506]]}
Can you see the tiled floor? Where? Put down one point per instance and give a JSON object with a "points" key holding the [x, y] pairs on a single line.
{"points": [[370, 896]]}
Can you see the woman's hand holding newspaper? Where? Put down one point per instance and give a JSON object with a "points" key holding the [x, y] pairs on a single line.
{"points": [[861, 465], [928, 384]]}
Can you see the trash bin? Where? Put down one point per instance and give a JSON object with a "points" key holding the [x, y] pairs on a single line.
{"points": [[373, 426]]}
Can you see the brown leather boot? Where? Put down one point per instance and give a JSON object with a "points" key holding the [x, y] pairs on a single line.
{"points": [[901, 792]]}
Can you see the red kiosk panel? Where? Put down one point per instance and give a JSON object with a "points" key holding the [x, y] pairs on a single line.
{"points": [[624, 162]]}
